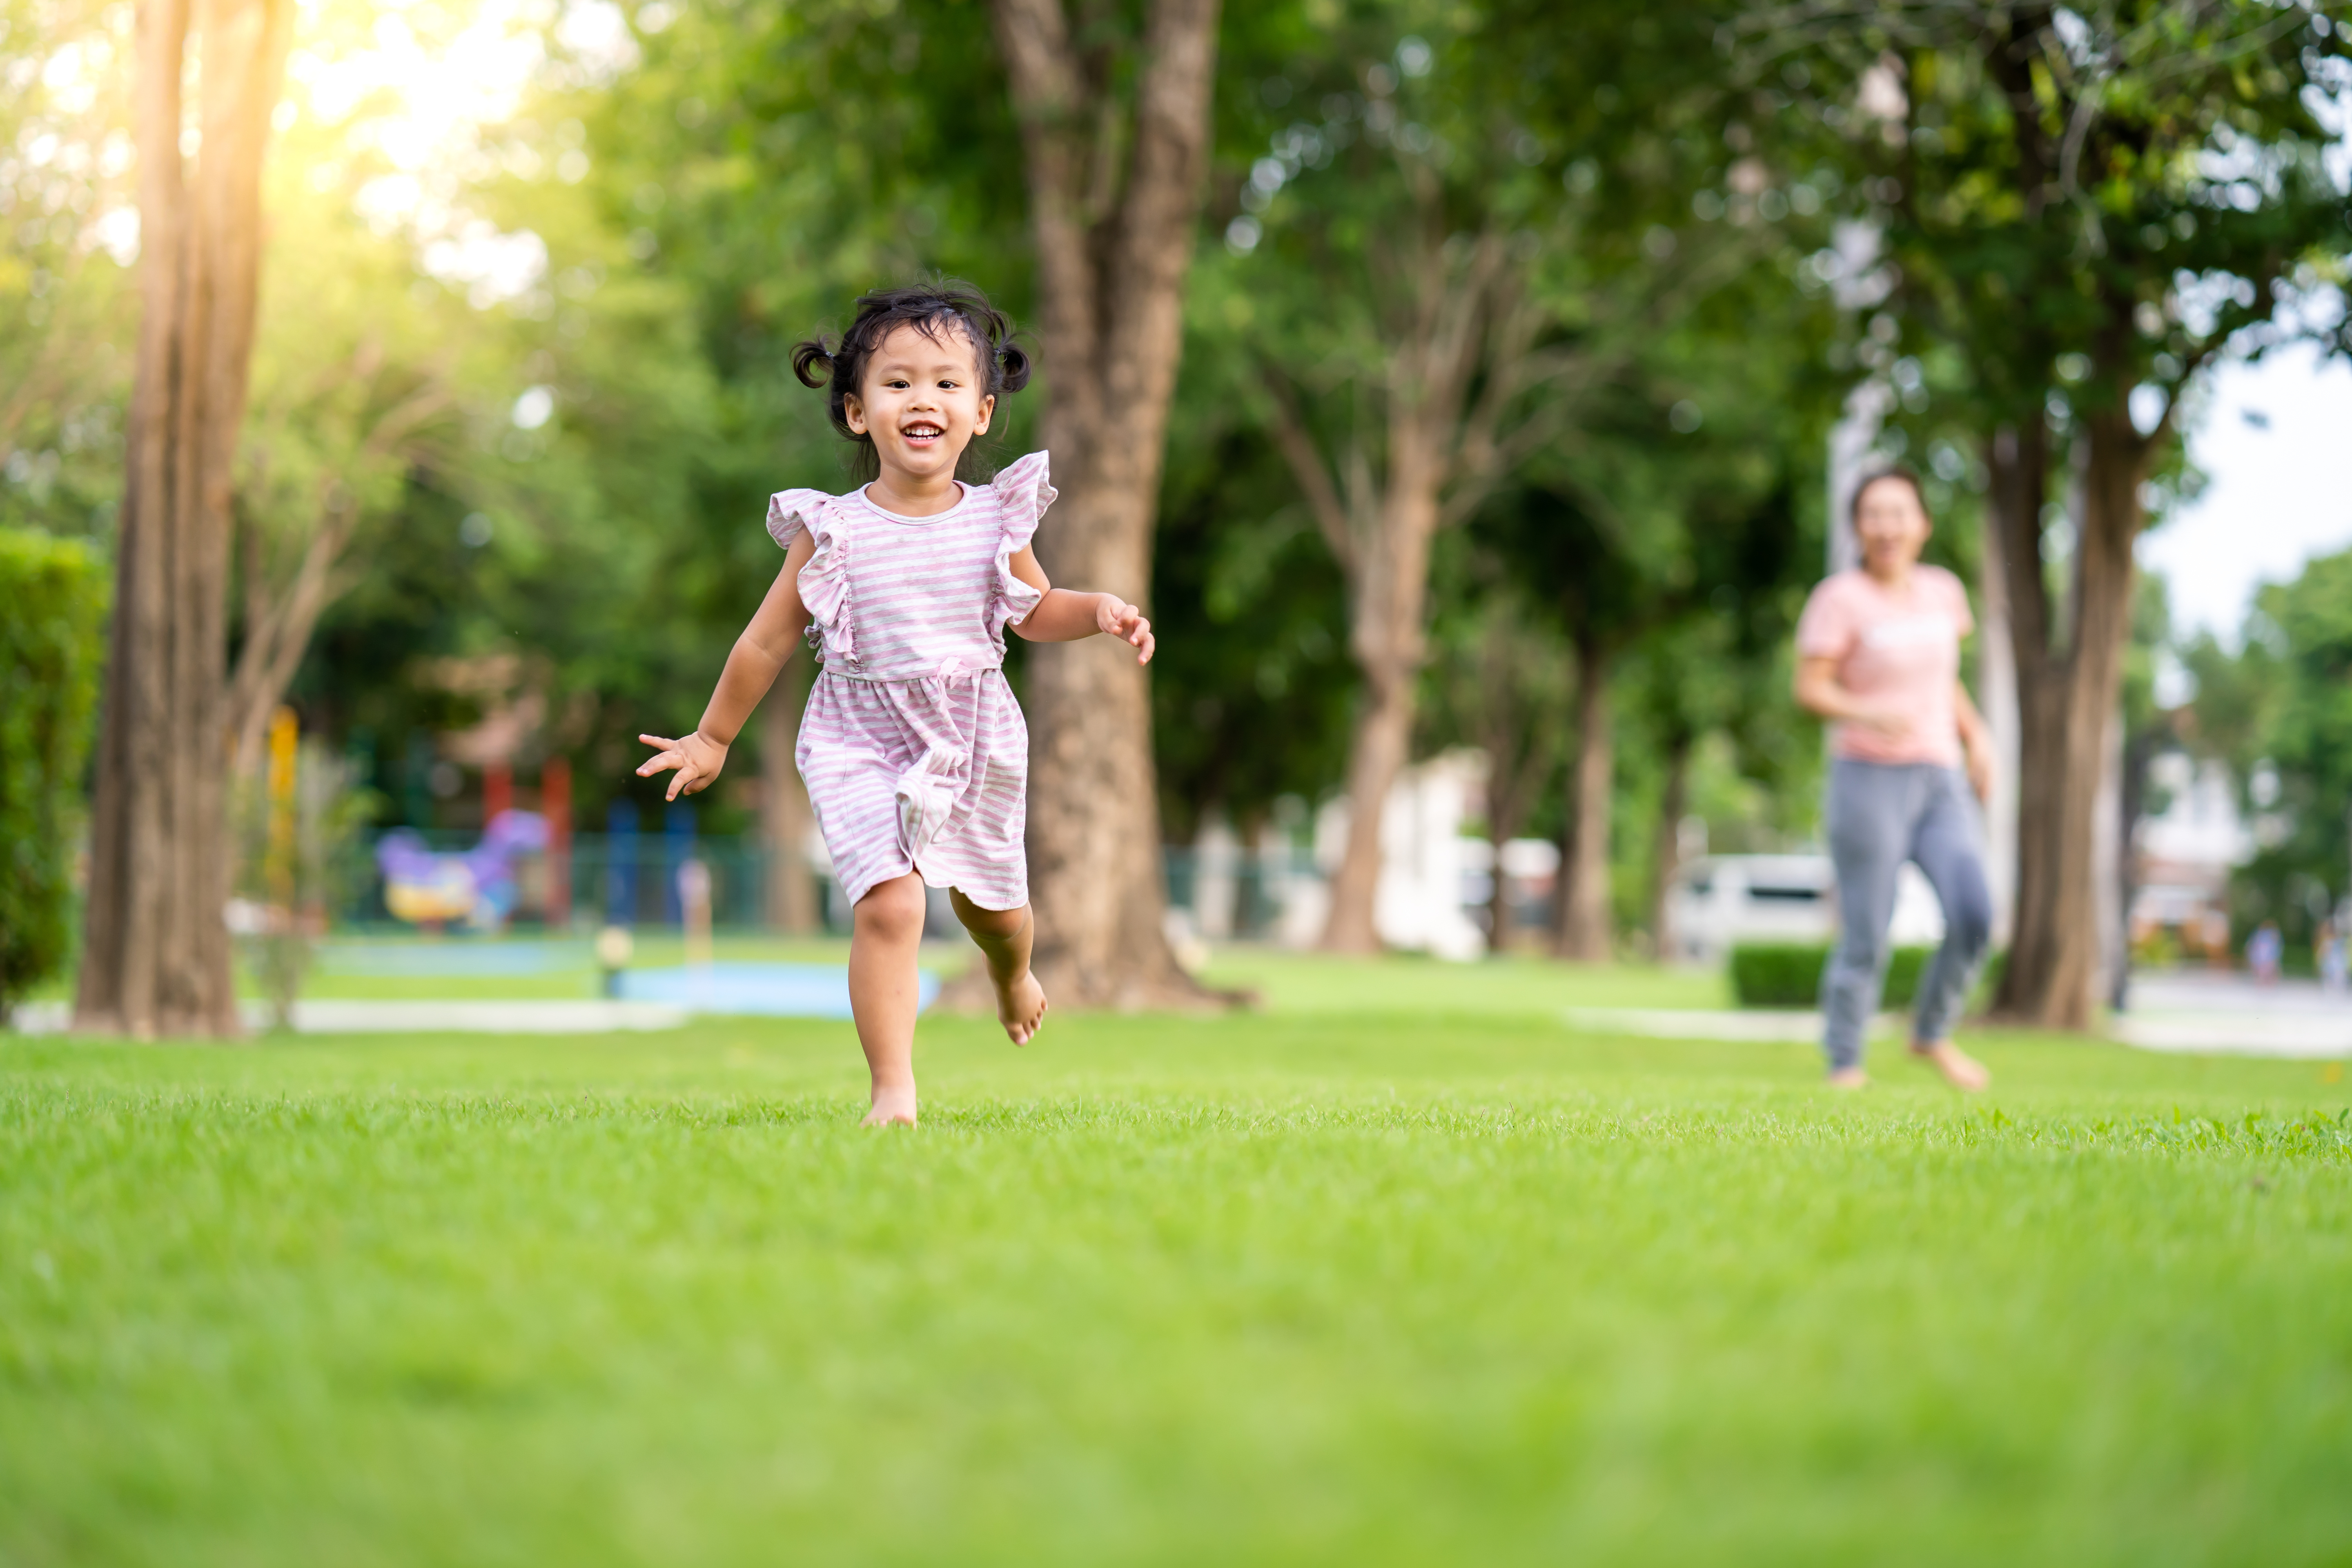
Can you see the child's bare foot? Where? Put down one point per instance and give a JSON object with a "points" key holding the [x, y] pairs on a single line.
{"points": [[1961, 1071], [1021, 1007], [1848, 1078], [892, 1108]]}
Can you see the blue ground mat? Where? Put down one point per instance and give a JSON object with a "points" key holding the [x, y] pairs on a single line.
{"points": [[770, 990]]}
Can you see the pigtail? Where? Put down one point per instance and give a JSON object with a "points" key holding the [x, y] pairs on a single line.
{"points": [[1014, 363], [812, 362]]}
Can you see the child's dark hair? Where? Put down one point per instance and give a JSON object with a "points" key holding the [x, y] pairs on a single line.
{"points": [[944, 305]]}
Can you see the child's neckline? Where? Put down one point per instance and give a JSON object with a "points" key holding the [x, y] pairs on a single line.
{"points": [[963, 499]]}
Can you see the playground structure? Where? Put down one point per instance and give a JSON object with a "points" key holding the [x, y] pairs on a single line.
{"points": [[477, 888]]}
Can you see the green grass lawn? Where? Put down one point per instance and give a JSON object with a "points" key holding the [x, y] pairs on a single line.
{"points": [[1436, 1282]]}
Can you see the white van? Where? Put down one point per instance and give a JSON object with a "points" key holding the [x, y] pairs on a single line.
{"points": [[1722, 899]]}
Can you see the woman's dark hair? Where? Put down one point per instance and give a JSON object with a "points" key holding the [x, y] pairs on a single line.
{"points": [[1896, 472], [934, 309]]}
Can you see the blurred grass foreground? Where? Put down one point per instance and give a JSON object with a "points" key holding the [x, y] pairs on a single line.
{"points": [[1374, 1275]]}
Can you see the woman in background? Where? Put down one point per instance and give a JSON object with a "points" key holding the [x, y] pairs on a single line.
{"points": [[1878, 654]]}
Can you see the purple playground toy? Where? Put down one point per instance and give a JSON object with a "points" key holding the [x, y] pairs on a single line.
{"points": [[424, 887]]}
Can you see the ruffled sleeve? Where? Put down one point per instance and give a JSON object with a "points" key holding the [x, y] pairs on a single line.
{"points": [[792, 511], [825, 581], [1023, 495]]}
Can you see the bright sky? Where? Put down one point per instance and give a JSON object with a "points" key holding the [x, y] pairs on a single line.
{"points": [[2277, 494]]}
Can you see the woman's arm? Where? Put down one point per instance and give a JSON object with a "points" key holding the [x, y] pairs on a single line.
{"points": [[1065, 616], [1975, 742], [1819, 691], [776, 629]]}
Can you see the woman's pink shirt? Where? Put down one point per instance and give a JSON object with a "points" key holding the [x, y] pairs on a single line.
{"points": [[1899, 646]]}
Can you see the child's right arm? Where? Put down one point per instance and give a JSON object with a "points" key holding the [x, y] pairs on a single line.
{"points": [[759, 654]]}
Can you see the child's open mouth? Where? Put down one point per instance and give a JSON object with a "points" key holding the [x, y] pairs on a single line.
{"points": [[921, 435]]}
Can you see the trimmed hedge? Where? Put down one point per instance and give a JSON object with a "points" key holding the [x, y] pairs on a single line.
{"points": [[52, 643], [1789, 973]]}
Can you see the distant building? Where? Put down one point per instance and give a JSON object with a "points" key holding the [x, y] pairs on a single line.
{"points": [[2187, 852]]}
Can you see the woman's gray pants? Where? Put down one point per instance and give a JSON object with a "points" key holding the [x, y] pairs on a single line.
{"points": [[1881, 814]]}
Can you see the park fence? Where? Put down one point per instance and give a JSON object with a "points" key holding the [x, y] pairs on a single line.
{"points": [[1275, 894], [630, 880]]}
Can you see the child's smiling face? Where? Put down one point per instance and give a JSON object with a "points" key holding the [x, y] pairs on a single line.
{"points": [[921, 401]]}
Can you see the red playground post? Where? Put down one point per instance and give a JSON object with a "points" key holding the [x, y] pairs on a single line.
{"points": [[497, 792], [555, 805]]}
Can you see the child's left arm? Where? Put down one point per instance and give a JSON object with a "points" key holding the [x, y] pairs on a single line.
{"points": [[1063, 615]]}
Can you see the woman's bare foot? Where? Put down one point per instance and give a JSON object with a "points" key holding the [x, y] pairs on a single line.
{"points": [[1848, 1078], [892, 1108], [1021, 1007], [1961, 1071]]}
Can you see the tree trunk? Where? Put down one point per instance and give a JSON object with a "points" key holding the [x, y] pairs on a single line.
{"points": [[1376, 755], [1506, 811], [1500, 924], [1391, 600], [1111, 267], [156, 958], [1673, 801], [2067, 687], [1441, 460], [2139, 756], [1996, 696], [1517, 719], [1583, 933], [785, 816]]}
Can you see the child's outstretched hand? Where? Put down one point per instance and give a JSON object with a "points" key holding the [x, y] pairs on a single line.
{"points": [[696, 758], [1116, 618]]}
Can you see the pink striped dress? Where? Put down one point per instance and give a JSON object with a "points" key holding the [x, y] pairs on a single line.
{"points": [[915, 753]]}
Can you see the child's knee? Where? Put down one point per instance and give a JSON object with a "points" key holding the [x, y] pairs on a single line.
{"points": [[893, 911], [990, 923]]}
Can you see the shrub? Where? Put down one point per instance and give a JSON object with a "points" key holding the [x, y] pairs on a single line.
{"points": [[294, 857], [51, 646], [1789, 973], [1989, 982]]}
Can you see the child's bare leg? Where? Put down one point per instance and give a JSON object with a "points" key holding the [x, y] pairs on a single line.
{"points": [[883, 947], [1004, 938]]}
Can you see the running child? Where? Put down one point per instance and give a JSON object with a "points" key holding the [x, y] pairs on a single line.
{"points": [[915, 753]]}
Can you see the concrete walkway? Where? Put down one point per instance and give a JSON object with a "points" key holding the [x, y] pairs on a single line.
{"points": [[487, 1017], [2218, 1013], [1701, 1024], [2230, 1013]]}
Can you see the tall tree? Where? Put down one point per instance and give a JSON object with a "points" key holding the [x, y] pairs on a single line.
{"points": [[67, 306], [353, 399], [1499, 679], [1471, 233], [1114, 176], [1250, 689], [2088, 204], [1674, 502], [2148, 729], [2279, 711], [1721, 672], [155, 957]]}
